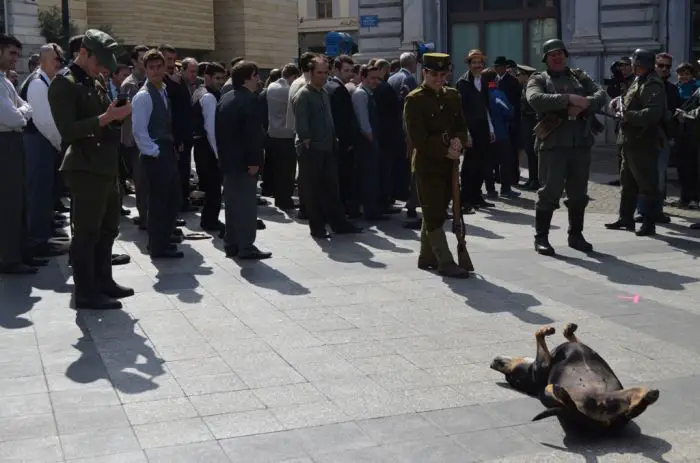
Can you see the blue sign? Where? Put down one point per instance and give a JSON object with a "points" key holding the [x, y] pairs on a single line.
{"points": [[369, 21]]}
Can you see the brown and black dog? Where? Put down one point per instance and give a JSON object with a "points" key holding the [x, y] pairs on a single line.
{"points": [[574, 383]]}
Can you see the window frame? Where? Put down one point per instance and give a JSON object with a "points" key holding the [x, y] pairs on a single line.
{"points": [[481, 17], [327, 8]]}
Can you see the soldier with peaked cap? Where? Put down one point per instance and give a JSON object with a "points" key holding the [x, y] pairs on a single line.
{"points": [[437, 131], [85, 119], [565, 100]]}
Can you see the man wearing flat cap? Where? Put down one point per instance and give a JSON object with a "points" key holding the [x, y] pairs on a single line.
{"points": [[528, 120], [87, 121], [510, 86], [437, 131]]}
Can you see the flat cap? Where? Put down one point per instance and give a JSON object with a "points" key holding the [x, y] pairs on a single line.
{"points": [[439, 62], [103, 46]]}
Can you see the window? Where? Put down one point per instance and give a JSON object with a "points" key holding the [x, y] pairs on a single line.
{"points": [[463, 5], [541, 3], [695, 32], [540, 30], [3, 26], [464, 38], [503, 4], [324, 9], [504, 38]]}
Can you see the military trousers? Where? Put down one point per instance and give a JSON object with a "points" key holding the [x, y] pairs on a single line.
{"points": [[567, 169], [95, 203], [12, 227], [164, 197], [639, 178], [434, 194]]}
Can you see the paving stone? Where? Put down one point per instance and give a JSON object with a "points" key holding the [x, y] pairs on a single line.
{"points": [[226, 402], [276, 446], [401, 428], [203, 452], [159, 410], [333, 438], [27, 427], [130, 457], [440, 450], [73, 421], [242, 424], [289, 395], [47, 449], [99, 443], [166, 434]]}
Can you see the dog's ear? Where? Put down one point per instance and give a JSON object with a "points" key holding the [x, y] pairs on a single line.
{"points": [[639, 398]]}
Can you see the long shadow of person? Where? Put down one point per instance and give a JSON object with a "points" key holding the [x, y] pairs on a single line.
{"points": [[15, 302], [275, 215], [484, 296], [264, 276], [628, 273], [629, 440], [109, 348], [376, 241], [179, 277], [480, 232], [349, 252], [512, 217]]}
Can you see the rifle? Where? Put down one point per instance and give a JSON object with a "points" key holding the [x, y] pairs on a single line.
{"points": [[463, 258], [547, 125]]}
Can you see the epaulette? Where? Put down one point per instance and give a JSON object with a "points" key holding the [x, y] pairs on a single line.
{"points": [[67, 73], [415, 91]]}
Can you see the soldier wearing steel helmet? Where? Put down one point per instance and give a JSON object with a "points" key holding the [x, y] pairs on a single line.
{"points": [[437, 131], [641, 111], [565, 100], [86, 120]]}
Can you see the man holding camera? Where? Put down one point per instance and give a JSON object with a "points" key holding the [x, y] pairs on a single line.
{"points": [[565, 100], [86, 119]]}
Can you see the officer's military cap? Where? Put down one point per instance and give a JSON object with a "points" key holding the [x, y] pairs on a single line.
{"points": [[439, 62], [526, 69], [553, 45], [103, 46]]}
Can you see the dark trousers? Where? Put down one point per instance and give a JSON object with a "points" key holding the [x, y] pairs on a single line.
{"points": [[532, 161], [513, 138], [124, 168], [59, 185], [639, 178], [386, 181], [502, 162], [347, 175], [95, 221], [12, 229], [40, 173], [283, 154], [686, 155], [140, 183], [318, 177], [240, 189], [369, 178], [476, 166], [209, 182], [401, 173], [185, 169], [267, 184], [164, 199], [559, 170]]}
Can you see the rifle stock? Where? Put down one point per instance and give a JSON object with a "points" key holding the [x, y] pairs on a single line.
{"points": [[548, 124], [463, 258]]}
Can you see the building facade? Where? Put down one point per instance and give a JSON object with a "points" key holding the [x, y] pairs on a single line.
{"points": [[264, 31], [318, 17]]}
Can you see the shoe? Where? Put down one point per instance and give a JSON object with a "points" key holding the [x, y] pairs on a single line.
{"points": [[255, 254], [543, 221], [231, 251], [348, 229], [97, 301], [125, 212], [483, 203], [491, 195], [120, 259], [614, 183], [214, 227], [262, 201], [413, 224], [176, 239], [647, 229], [178, 232], [576, 219], [392, 210], [59, 233], [693, 205], [320, 235], [446, 265], [694, 226], [260, 225], [510, 194], [180, 222], [411, 213], [301, 215], [621, 224], [17, 269], [168, 254], [117, 291]]}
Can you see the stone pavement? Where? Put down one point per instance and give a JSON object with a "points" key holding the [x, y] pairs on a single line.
{"points": [[345, 352]]}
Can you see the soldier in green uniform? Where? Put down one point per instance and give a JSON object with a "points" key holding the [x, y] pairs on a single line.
{"points": [[565, 100], [641, 111], [437, 131], [85, 119]]}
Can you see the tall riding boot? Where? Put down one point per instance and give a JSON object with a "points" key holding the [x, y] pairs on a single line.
{"points": [[446, 265], [103, 271], [625, 221], [543, 220], [426, 258], [576, 239], [648, 227]]}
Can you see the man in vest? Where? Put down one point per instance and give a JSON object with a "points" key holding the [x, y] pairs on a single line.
{"points": [[42, 145], [151, 123], [565, 100], [84, 116], [204, 100]]}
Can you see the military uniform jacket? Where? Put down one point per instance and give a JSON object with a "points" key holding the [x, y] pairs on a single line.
{"points": [[645, 104], [547, 93], [77, 101], [432, 119]]}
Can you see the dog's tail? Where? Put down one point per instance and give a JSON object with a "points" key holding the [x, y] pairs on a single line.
{"points": [[547, 413]]}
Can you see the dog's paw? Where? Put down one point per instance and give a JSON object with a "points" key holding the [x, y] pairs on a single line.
{"points": [[570, 329], [545, 331]]}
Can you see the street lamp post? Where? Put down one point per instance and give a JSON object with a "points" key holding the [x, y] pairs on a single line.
{"points": [[65, 21]]}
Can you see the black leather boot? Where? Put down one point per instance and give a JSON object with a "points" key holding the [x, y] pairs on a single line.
{"points": [[103, 271], [576, 239], [648, 227], [543, 220]]}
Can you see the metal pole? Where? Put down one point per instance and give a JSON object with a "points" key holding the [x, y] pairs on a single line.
{"points": [[66, 22]]}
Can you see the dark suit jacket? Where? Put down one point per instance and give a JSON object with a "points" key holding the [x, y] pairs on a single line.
{"points": [[181, 105], [389, 116], [475, 103], [513, 91], [344, 120], [240, 138]]}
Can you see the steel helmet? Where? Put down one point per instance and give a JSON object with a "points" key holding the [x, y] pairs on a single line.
{"points": [[644, 58], [553, 45]]}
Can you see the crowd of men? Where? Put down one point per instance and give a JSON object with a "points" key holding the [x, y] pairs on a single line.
{"points": [[360, 137]]}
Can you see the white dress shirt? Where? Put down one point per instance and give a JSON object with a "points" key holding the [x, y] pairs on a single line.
{"points": [[141, 109], [14, 111], [208, 103], [38, 99]]}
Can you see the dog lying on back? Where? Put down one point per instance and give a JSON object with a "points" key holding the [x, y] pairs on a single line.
{"points": [[574, 383]]}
